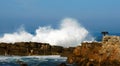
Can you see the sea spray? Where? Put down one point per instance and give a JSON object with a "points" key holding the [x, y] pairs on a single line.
{"points": [[69, 33]]}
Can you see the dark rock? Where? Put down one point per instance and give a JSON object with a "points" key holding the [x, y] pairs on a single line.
{"points": [[32, 48], [62, 64], [23, 64]]}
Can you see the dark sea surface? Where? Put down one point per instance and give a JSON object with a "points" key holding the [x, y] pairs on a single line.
{"points": [[52, 60]]}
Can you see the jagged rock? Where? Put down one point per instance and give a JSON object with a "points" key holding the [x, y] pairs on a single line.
{"points": [[32, 48], [105, 53]]}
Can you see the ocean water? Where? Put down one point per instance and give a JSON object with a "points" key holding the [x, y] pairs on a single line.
{"points": [[98, 36], [52, 60]]}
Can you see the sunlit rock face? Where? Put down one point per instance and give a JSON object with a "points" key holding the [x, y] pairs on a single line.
{"points": [[111, 47], [103, 53]]}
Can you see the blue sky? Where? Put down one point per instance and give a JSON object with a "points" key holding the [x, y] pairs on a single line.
{"points": [[95, 15]]}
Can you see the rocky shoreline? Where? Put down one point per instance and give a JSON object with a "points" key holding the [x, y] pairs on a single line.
{"points": [[104, 53], [32, 48]]}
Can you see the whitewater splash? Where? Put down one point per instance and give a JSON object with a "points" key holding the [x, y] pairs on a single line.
{"points": [[52, 60], [69, 33]]}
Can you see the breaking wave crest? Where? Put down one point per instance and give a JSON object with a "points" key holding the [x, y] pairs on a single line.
{"points": [[69, 33]]}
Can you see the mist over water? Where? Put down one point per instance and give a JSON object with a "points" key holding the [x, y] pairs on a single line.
{"points": [[69, 33]]}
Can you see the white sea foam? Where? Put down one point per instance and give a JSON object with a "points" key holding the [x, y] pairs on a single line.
{"points": [[69, 33], [30, 58]]}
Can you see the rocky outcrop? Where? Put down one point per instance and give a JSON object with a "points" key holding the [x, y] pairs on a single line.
{"points": [[32, 48], [105, 53]]}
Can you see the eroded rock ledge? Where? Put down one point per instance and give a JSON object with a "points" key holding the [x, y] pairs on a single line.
{"points": [[33, 48], [104, 53]]}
